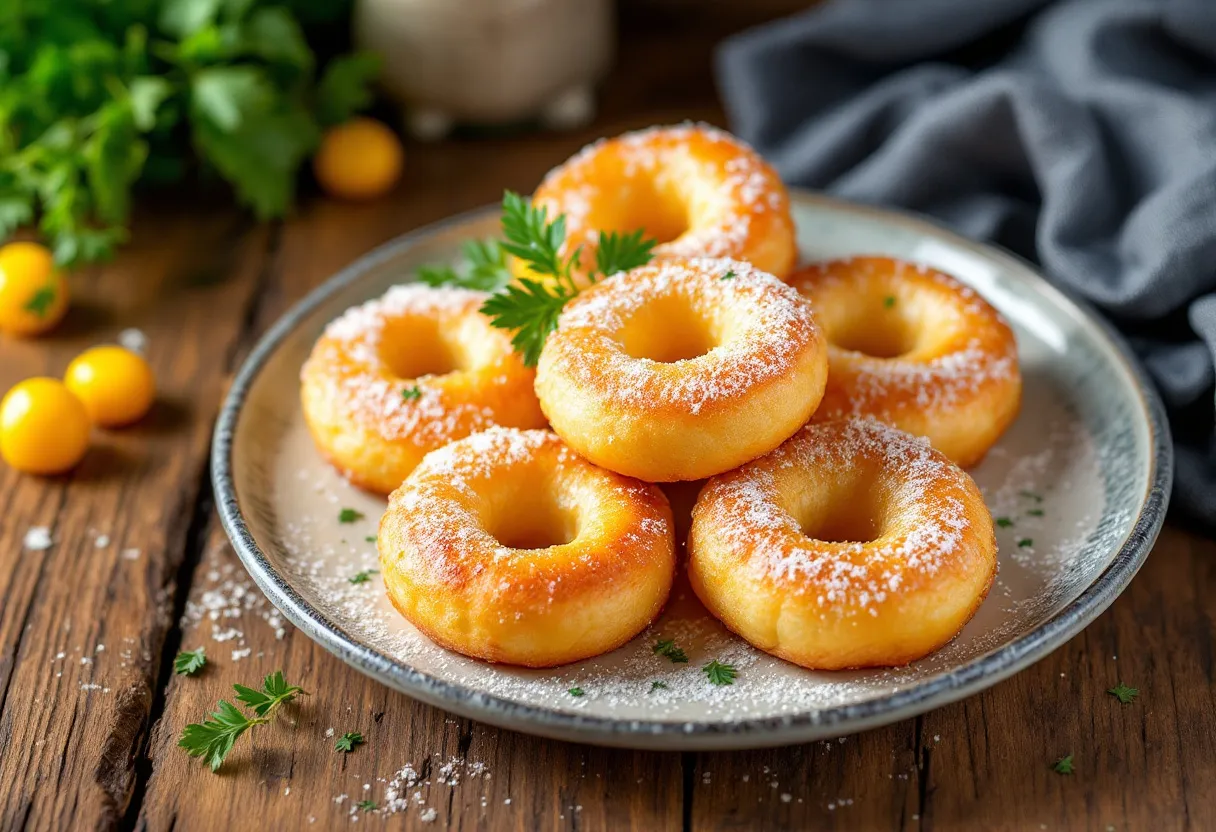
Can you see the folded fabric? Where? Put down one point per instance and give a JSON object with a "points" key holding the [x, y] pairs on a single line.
{"points": [[1080, 134]]}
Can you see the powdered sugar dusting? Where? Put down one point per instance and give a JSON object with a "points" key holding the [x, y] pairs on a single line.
{"points": [[769, 329], [728, 217], [852, 578]]}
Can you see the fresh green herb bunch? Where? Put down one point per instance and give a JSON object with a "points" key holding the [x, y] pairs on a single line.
{"points": [[96, 96], [529, 307]]}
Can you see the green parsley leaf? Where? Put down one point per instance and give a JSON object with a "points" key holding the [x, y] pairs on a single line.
{"points": [[346, 87], [667, 648], [371, 538], [730, 275], [657, 686], [530, 308], [363, 576], [214, 737], [1004, 522], [275, 692], [41, 301], [189, 662], [409, 394], [531, 237], [348, 741], [349, 515], [719, 673], [620, 252], [484, 268], [576, 691], [1123, 693], [1025, 543], [889, 301], [1035, 512], [1030, 495], [367, 805], [1063, 765]]}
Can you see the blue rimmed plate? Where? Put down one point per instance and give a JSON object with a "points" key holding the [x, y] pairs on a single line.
{"points": [[1084, 474]]}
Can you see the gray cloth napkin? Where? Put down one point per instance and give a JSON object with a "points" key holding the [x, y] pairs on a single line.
{"points": [[1080, 134]]}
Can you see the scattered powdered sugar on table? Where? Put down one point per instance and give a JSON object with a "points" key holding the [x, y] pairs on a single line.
{"points": [[37, 539]]}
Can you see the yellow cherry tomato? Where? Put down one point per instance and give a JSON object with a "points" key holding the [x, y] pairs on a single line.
{"points": [[33, 293], [43, 427], [361, 159], [115, 385]]}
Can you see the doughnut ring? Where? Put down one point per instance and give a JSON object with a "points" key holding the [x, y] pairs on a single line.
{"points": [[682, 369], [698, 190], [916, 349], [406, 373], [509, 547], [852, 545]]}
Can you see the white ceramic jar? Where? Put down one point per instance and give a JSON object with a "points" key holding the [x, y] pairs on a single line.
{"points": [[489, 61]]}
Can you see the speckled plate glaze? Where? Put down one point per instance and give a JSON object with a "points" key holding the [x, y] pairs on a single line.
{"points": [[1084, 476]]}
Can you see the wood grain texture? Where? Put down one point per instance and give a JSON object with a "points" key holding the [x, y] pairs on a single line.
{"points": [[203, 283], [82, 622]]}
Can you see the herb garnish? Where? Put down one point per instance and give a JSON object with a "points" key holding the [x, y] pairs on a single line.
{"points": [[1025, 543], [1063, 765], [668, 649], [348, 741], [189, 662], [1123, 693], [349, 515], [657, 686], [371, 538], [214, 737], [1030, 495], [889, 301], [576, 691], [485, 268], [362, 576], [719, 673], [530, 306], [1035, 512], [409, 394], [367, 805], [730, 275], [1004, 522]]}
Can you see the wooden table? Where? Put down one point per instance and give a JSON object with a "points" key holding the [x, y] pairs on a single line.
{"points": [[90, 713]]}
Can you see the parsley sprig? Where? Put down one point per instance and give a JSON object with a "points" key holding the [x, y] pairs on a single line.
{"points": [[484, 269], [189, 662], [214, 737], [1063, 765], [719, 673], [529, 307], [1123, 693], [667, 648], [347, 742]]}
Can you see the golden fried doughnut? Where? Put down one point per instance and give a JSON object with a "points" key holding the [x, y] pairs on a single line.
{"points": [[409, 372], [916, 349], [851, 545], [682, 369], [697, 190], [508, 546]]}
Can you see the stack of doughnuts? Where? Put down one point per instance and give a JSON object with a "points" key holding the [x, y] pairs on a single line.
{"points": [[826, 409]]}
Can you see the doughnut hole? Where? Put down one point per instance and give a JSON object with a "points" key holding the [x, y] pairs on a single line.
{"points": [[414, 346], [667, 330], [525, 512], [850, 509]]}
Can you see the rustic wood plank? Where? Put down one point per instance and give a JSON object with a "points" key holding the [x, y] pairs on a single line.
{"points": [[82, 622], [985, 762]]}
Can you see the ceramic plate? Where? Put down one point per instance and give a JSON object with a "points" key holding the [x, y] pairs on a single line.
{"points": [[1084, 475]]}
